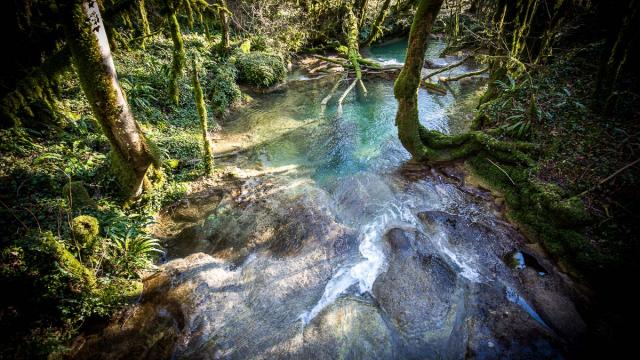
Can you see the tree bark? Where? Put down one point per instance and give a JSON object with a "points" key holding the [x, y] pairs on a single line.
{"points": [[91, 54], [406, 87], [144, 23], [376, 28], [202, 113], [178, 60], [224, 22]]}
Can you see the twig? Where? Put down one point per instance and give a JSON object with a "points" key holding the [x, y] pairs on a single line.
{"points": [[610, 177], [14, 215], [501, 169]]}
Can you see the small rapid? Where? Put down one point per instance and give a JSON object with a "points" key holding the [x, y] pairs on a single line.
{"points": [[364, 272]]}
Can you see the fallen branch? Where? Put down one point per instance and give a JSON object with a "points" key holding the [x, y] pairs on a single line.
{"points": [[610, 177], [325, 101], [321, 67], [448, 67], [465, 75], [344, 95], [364, 89], [439, 89], [334, 60]]}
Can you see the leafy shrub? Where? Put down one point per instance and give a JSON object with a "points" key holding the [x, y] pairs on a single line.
{"points": [[132, 247], [261, 69], [223, 90]]}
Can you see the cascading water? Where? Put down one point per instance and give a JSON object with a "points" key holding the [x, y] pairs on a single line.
{"points": [[365, 272]]}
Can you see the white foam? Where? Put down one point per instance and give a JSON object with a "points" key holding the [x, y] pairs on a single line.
{"points": [[365, 272], [466, 265]]}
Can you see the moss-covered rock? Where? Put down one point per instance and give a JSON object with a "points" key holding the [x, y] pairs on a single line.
{"points": [[85, 229], [77, 195], [261, 69], [119, 289], [68, 262]]}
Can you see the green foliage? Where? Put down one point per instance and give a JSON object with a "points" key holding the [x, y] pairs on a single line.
{"points": [[223, 91], [133, 248], [261, 69]]}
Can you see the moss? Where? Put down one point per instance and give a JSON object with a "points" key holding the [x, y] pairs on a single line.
{"points": [[353, 53], [77, 195], [542, 212], [261, 69], [119, 289], [245, 47], [68, 262], [202, 113], [376, 28], [178, 61], [85, 228]]}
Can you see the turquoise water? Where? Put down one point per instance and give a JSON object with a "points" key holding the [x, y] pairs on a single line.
{"points": [[396, 49], [364, 136]]}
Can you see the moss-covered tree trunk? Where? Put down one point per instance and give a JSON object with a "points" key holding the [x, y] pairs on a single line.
{"points": [[144, 22], [178, 60], [353, 51], [202, 112], [86, 36], [361, 8], [408, 81], [224, 23], [376, 28]]}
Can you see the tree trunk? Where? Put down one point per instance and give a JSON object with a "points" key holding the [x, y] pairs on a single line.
{"points": [[430, 145], [224, 22], [407, 83], [146, 30], [615, 56], [178, 56], [361, 11], [86, 36], [202, 113], [376, 28], [353, 52]]}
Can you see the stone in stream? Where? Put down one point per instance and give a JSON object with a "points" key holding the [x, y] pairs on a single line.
{"points": [[418, 294], [484, 248]]}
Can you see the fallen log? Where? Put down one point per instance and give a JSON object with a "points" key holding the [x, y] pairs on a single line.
{"points": [[448, 67], [465, 75], [436, 88]]}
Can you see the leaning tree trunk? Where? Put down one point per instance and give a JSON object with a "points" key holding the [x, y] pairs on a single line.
{"points": [[130, 152], [376, 29], [430, 145], [406, 86]]}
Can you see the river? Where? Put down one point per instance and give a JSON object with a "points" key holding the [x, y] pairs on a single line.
{"points": [[325, 241]]}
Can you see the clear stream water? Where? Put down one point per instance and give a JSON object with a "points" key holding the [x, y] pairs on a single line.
{"points": [[342, 248]]}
